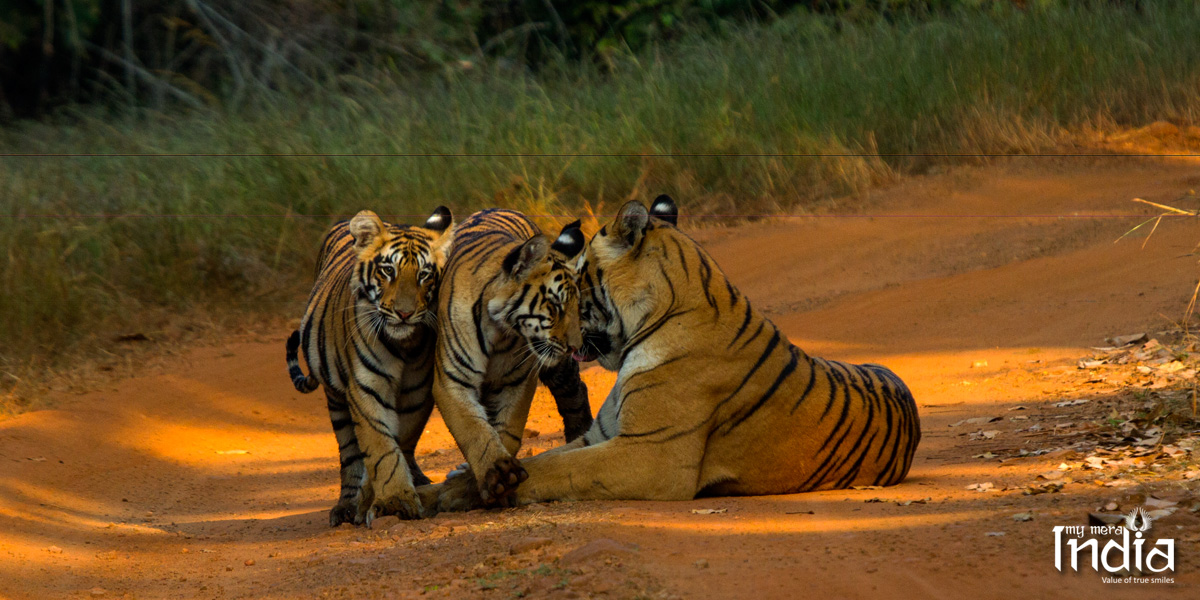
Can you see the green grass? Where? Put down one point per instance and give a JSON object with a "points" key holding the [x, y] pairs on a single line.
{"points": [[90, 248]]}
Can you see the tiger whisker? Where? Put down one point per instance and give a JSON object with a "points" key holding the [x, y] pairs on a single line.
{"points": [[528, 354], [377, 327], [370, 322], [430, 320], [360, 320]]}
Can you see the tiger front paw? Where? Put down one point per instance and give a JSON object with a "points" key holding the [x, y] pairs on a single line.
{"points": [[402, 502], [347, 511], [501, 481], [459, 494]]}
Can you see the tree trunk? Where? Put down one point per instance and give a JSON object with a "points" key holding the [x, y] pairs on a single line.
{"points": [[127, 41]]}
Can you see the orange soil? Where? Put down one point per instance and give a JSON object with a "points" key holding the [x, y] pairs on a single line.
{"points": [[132, 490]]}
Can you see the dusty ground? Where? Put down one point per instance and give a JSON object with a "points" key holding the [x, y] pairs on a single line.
{"points": [[980, 287]]}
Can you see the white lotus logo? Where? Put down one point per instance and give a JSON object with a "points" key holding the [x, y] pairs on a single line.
{"points": [[1132, 520], [1131, 552]]}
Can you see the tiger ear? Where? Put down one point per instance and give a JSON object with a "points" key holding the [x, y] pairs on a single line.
{"points": [[440, 220], [631, 222], [570, 241], [521, 260], [365, 227], [441, 247], [665, 209]]}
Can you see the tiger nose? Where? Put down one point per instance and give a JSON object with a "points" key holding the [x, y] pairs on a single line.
{"points": [[404, 315]]}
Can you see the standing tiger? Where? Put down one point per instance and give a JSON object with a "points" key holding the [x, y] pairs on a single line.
{"points": [[368, 336], [710, 397], [507, 316]]}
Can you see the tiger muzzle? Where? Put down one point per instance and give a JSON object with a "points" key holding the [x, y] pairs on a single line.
{"points": [[594, 345]]}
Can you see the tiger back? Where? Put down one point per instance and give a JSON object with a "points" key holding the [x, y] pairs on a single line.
{"points": [[710, 398], [368, 335], [508, 317]]}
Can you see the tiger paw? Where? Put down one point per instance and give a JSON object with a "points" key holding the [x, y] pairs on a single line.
{"points": [[406, 505], [458, 470], [428, 496], [347, 511], [501, 480], [459, 494]]}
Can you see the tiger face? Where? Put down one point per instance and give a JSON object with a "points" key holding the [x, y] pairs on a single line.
{"points": [[395, 278], [538, 295], [619, 288]]}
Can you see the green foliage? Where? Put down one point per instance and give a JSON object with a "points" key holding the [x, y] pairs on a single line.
{"points": [[231, 53], [727, 122]]}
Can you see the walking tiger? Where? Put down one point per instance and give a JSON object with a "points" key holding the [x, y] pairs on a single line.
{"points": [[368, 335]]}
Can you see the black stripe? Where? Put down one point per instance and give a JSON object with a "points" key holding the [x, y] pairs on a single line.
{"points": [[771, 345], [829, 382], [477, 315], [421, 384], [366, 361], [833, 390], [706, 282], [815, 478], [856, 447], [324, 368], [683, 263], [812, 380], [645, 333], [742, 328], [644, 433], [754, 336], [626, 394], [853, 471], [783, 374], [466, 384], [377, 397], [392, 474], [603, 432]]}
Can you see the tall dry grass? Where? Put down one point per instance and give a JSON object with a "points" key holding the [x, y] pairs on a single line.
{"points": [[729, 125]]}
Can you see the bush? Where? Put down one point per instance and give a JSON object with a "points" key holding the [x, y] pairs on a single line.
{"points": [[742, 122]]}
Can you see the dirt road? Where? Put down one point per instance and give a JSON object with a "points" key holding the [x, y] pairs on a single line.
{"points": [[212, 478]]}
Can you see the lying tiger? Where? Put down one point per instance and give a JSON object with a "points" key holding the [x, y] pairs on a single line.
{"points": [[710, 398]]}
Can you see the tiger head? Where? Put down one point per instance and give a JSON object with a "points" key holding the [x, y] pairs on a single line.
{"points": [[537, 295], [618, 289], [395, 280]]}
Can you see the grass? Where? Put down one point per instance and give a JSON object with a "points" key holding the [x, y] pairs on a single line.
{"points": [[94, 244]]}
